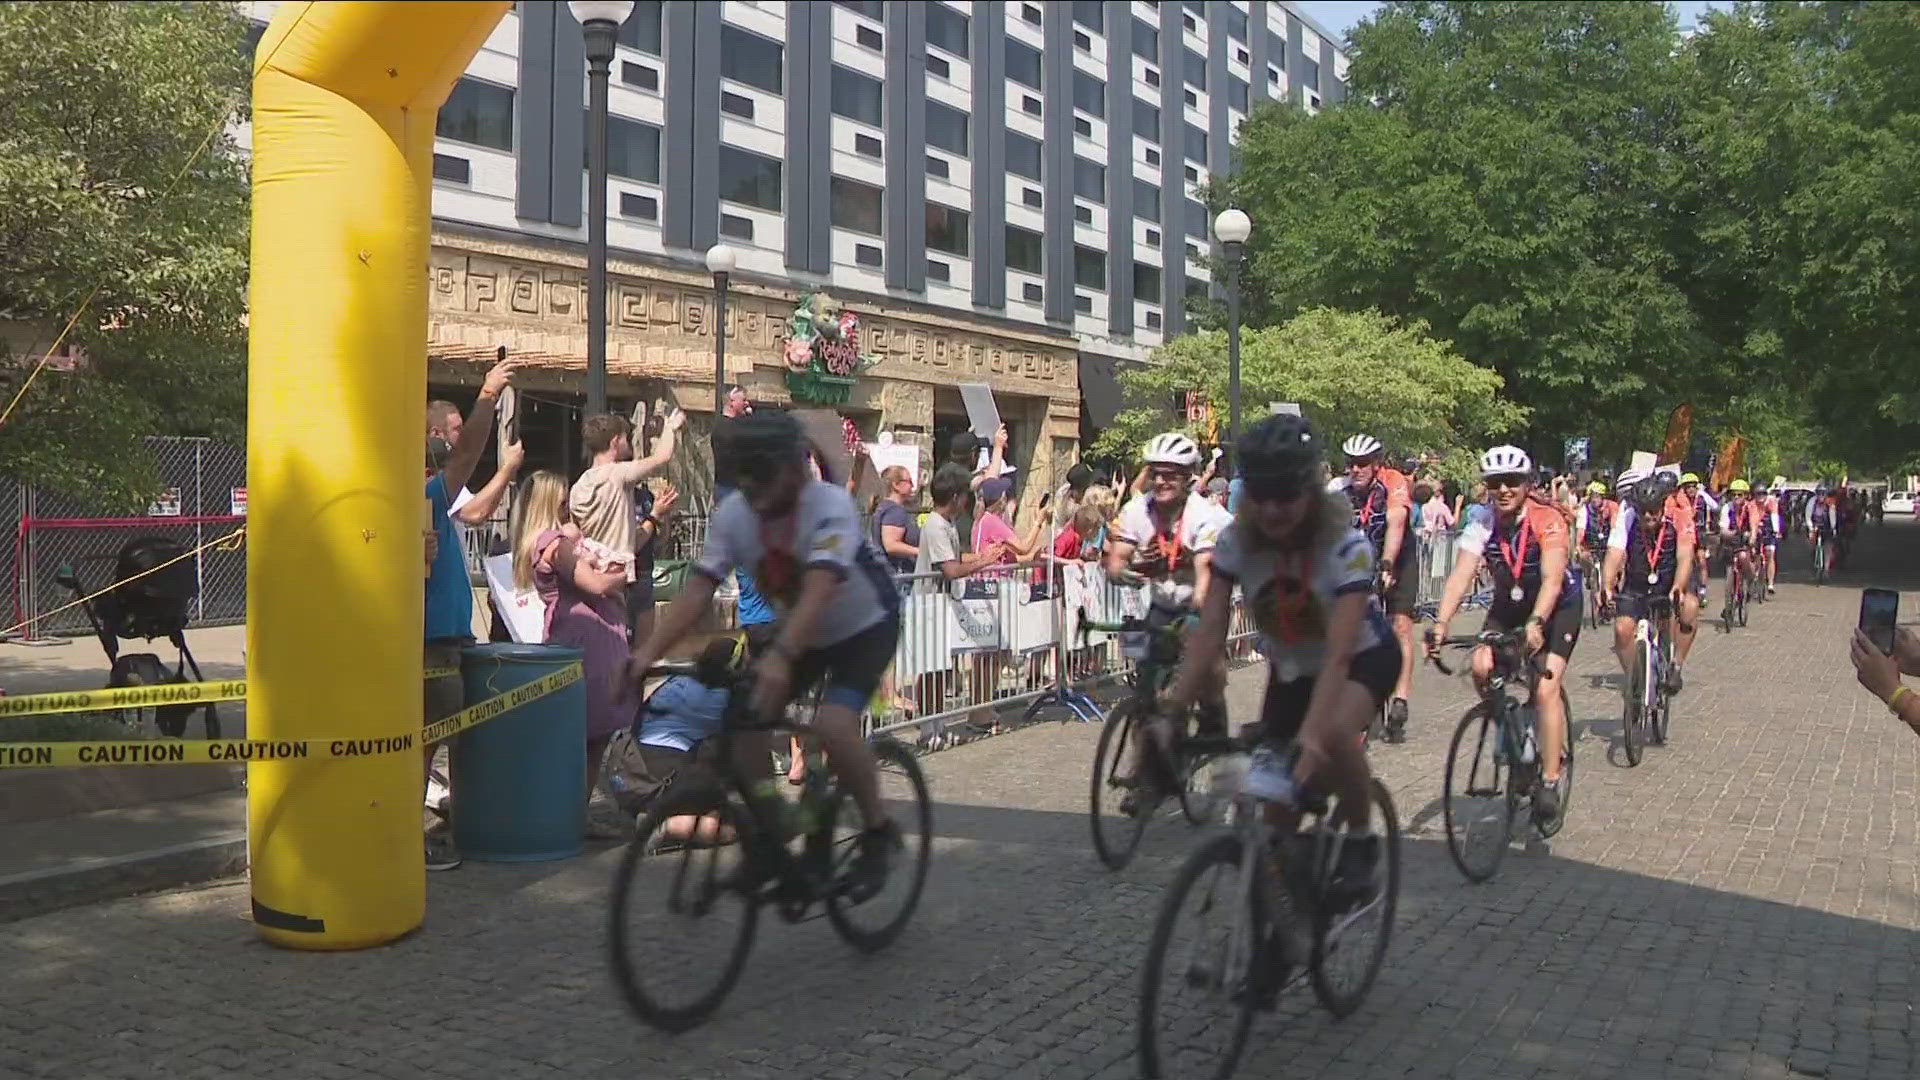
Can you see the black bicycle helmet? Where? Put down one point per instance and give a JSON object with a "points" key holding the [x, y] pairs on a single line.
{"points": [[1652, 493], [1279, 456], [764, 439]]}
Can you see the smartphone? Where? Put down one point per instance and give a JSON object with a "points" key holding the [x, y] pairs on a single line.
{"points": [[1879, 609]]}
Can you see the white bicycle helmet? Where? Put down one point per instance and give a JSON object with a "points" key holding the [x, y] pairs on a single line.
{"points": [[1361, 446], [1627, 479], [1173, 448], [1506, 461]]}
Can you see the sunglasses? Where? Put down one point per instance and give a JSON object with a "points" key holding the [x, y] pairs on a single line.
{"points": [[1274, 491], [1506, 482], [1174, 475]]}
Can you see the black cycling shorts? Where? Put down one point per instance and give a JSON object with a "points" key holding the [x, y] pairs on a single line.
{"points": [[1636, 605], [1285, 705], [852, 668], [1563, 626]]}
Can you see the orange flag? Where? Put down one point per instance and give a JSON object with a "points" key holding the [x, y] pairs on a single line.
{"points": [[1679, 433]]}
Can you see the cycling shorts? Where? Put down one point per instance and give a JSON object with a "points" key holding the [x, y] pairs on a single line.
{"points": [[1285, 706], [1563, 626], [1405, 594], [850, 669]]}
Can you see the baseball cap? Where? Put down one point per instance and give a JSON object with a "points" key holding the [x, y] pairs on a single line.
{"points": [[994, 490]]}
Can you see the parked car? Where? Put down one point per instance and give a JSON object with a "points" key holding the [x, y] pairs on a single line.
{"points": [[1899, 502]]}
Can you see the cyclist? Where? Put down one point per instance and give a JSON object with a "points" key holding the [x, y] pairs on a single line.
{"points": [[1740, 533], [1307, 575], [1533, 587], [1846, 523], [1649, 554], [1591, 523], [1382, 501], [1769, 534], [1822, 522], [1695, 508], [801, 539], [1164, 539]]}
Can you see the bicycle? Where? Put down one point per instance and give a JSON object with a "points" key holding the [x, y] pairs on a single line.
{"points": [[1819, 557], [1254, 893], [1649, 706], [1589, 584], [760, 866], [1738, 573], [1155, 652], [1501, 730]]}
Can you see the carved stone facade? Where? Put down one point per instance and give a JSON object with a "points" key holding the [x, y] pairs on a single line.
{"points": [[484, 293]]}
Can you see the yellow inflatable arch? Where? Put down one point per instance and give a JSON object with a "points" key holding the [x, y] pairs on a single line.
{"points": [[344, 101]]}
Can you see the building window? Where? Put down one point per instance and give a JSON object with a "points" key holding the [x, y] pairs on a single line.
{"points": [[938, 271], [1236, 21], [642, 29], [1089, 180], [1082, 214], [937, 66], [872, 9], [1090, 14], [736, 227], [1309, 73], [1082, 42], [454, 170], [1146, 282], [1193, 252], [1153, 77], [1023, 155], [633, 149], [748, 58], [1025, 250], [869, 38], [1241, 55], [1152, 156], [1030, 14], [1030, 105], [946, 28], [1089, 94], [1194, 68], [857, 96], [1023, 63], [478, 113], [1146, 200], [1196, 144], [1192, 99], [1198, 221], [1083, 126], [736, 104], [1083, 303], [866, 255], [937, 167], [866, 146], [1153, 238], [1146, 41], [1032, 293], [749, 179], [1193, 175], [1187, 21], [1031, 197], [947, 229], [640, 75], [855, 206], [1146, 120], [946, 126], [1237, 91], [1089, 267], [635, 205], [1197, 291], [1153, 320]]}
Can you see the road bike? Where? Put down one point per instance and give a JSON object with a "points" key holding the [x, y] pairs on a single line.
{"points": [[1739, 577], [1819, 557], [1493, 761], [1590, 588], [1262, 913], [1649, 703], [1121, 805], [740, 858]]}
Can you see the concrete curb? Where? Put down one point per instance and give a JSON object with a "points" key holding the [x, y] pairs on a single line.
{"points": [[90, 881]]}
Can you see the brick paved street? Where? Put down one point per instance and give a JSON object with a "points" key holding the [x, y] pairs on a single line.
{"points": [[1743, 904]]}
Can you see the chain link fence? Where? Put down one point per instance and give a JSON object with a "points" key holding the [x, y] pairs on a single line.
{"points": [[202, 499]]}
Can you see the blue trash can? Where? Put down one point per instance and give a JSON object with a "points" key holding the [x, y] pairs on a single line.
{"points": [[520, 779]]}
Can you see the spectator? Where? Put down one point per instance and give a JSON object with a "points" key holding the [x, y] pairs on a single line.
{"points": [[751, 609], [1067, 500], [652, 518], [445, 423], [449, 596], [584, 609], [1880, 673], [993, 528], [1436, 517], [681, 714], [1477, 512], [895, 532], [940, 538], [601, 503], [1083, 538]]}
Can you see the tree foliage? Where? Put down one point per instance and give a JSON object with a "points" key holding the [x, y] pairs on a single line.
{"points": [[121, 190], [1614, 220], [1419, 396]]}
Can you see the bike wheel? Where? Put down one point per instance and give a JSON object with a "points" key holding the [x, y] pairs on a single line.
{"points": [[1662, 710], [1474, 804], [1633, 715], [1348, 947], [667, 902], [1116, 836], [1548, 829], [872, 924], [1196, 994], [1198, 801]]}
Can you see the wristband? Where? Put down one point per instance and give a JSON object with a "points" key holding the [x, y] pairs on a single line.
{"points": [[1893, 699]]}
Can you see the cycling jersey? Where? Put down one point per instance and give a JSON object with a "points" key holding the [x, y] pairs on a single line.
{"points": [[1166, 558], [1821, 516], [1593, 522], [1390, 490], [1704, 510], [1769, 519], [1515, 555], [822, 532], [1290, 595], [1652, 557]]}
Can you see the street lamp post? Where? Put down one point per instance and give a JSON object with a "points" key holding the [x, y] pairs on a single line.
{"points": [[720, 260], [1232, 228], [600, 21]]}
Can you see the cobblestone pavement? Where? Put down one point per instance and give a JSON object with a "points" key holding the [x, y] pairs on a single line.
{"points": [[1743, 904]]}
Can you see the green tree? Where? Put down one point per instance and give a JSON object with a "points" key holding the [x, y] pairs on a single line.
{"points": [[121, 190], [1418, 396]]}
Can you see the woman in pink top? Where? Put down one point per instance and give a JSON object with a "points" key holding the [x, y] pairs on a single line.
{"points": [[992, 528]]}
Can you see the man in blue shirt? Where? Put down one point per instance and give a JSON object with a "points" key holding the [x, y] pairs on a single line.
{"points": [[449, 608]]}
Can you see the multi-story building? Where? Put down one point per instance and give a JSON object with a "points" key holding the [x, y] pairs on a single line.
{"points": [[1005, 191]]}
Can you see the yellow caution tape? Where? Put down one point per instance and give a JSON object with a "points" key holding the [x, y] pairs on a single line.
{"points": [[125, 697], [441, 672], [58, 755]]}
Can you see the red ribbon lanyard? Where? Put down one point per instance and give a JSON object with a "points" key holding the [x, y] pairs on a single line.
{"points": [[1516, 563], [1364, 515], [1653, 557], [1170, 549], [1289, 604]]}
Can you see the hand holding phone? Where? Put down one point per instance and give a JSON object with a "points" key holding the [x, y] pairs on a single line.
{"points": [[1879, 611]]}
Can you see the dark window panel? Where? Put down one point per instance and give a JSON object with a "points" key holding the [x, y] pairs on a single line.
{"points": [[1023, 63], [938, 271], [749, 179], [1153, 76], [1196, 144], [1199, 223], [1089, 267], [1032, 293], [1030, 105], [736, 104], [454, 170], [1083, 215], [642, 29], [857, 96], [1237, 93], [640, 75], [868, 37], [1193, 68], [1031, 197], [635, 205], [937, 66], [1146, 120], [1146, 283], [1089, 180], [872, 9], [866, 255], [1091, 14], [1146, 42], [748, 58], [946, 28], [1030, 13], [937, 167], [866, 146], [1236, 21], [1153, 320], [736, 227], [1153, 238], [1146, 200], [633, 149], [1153, 156], [1083, 303], [947, 128], [479, 113], [1026, 250], [855, 206], [947, 229], [1023, 155], [1089, 94], [1082, 42]]}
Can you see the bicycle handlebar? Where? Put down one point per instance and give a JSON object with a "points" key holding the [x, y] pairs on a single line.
{"points": [[1492, 638]]}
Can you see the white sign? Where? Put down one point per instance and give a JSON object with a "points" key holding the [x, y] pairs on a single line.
{"points": [[1284, 408], [523, 611], [167, 505], [982, 414], [237, 501], [886, 455], [1642, 461]]}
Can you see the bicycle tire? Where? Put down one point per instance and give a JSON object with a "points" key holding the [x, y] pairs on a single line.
{"points": [[1662, 700], [1116, 837], [1631, 716], [1487, 735], [1549, 829], [1223, 850], [1198, 807], [1343, 1003], [918, 841], [628, 968]]}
